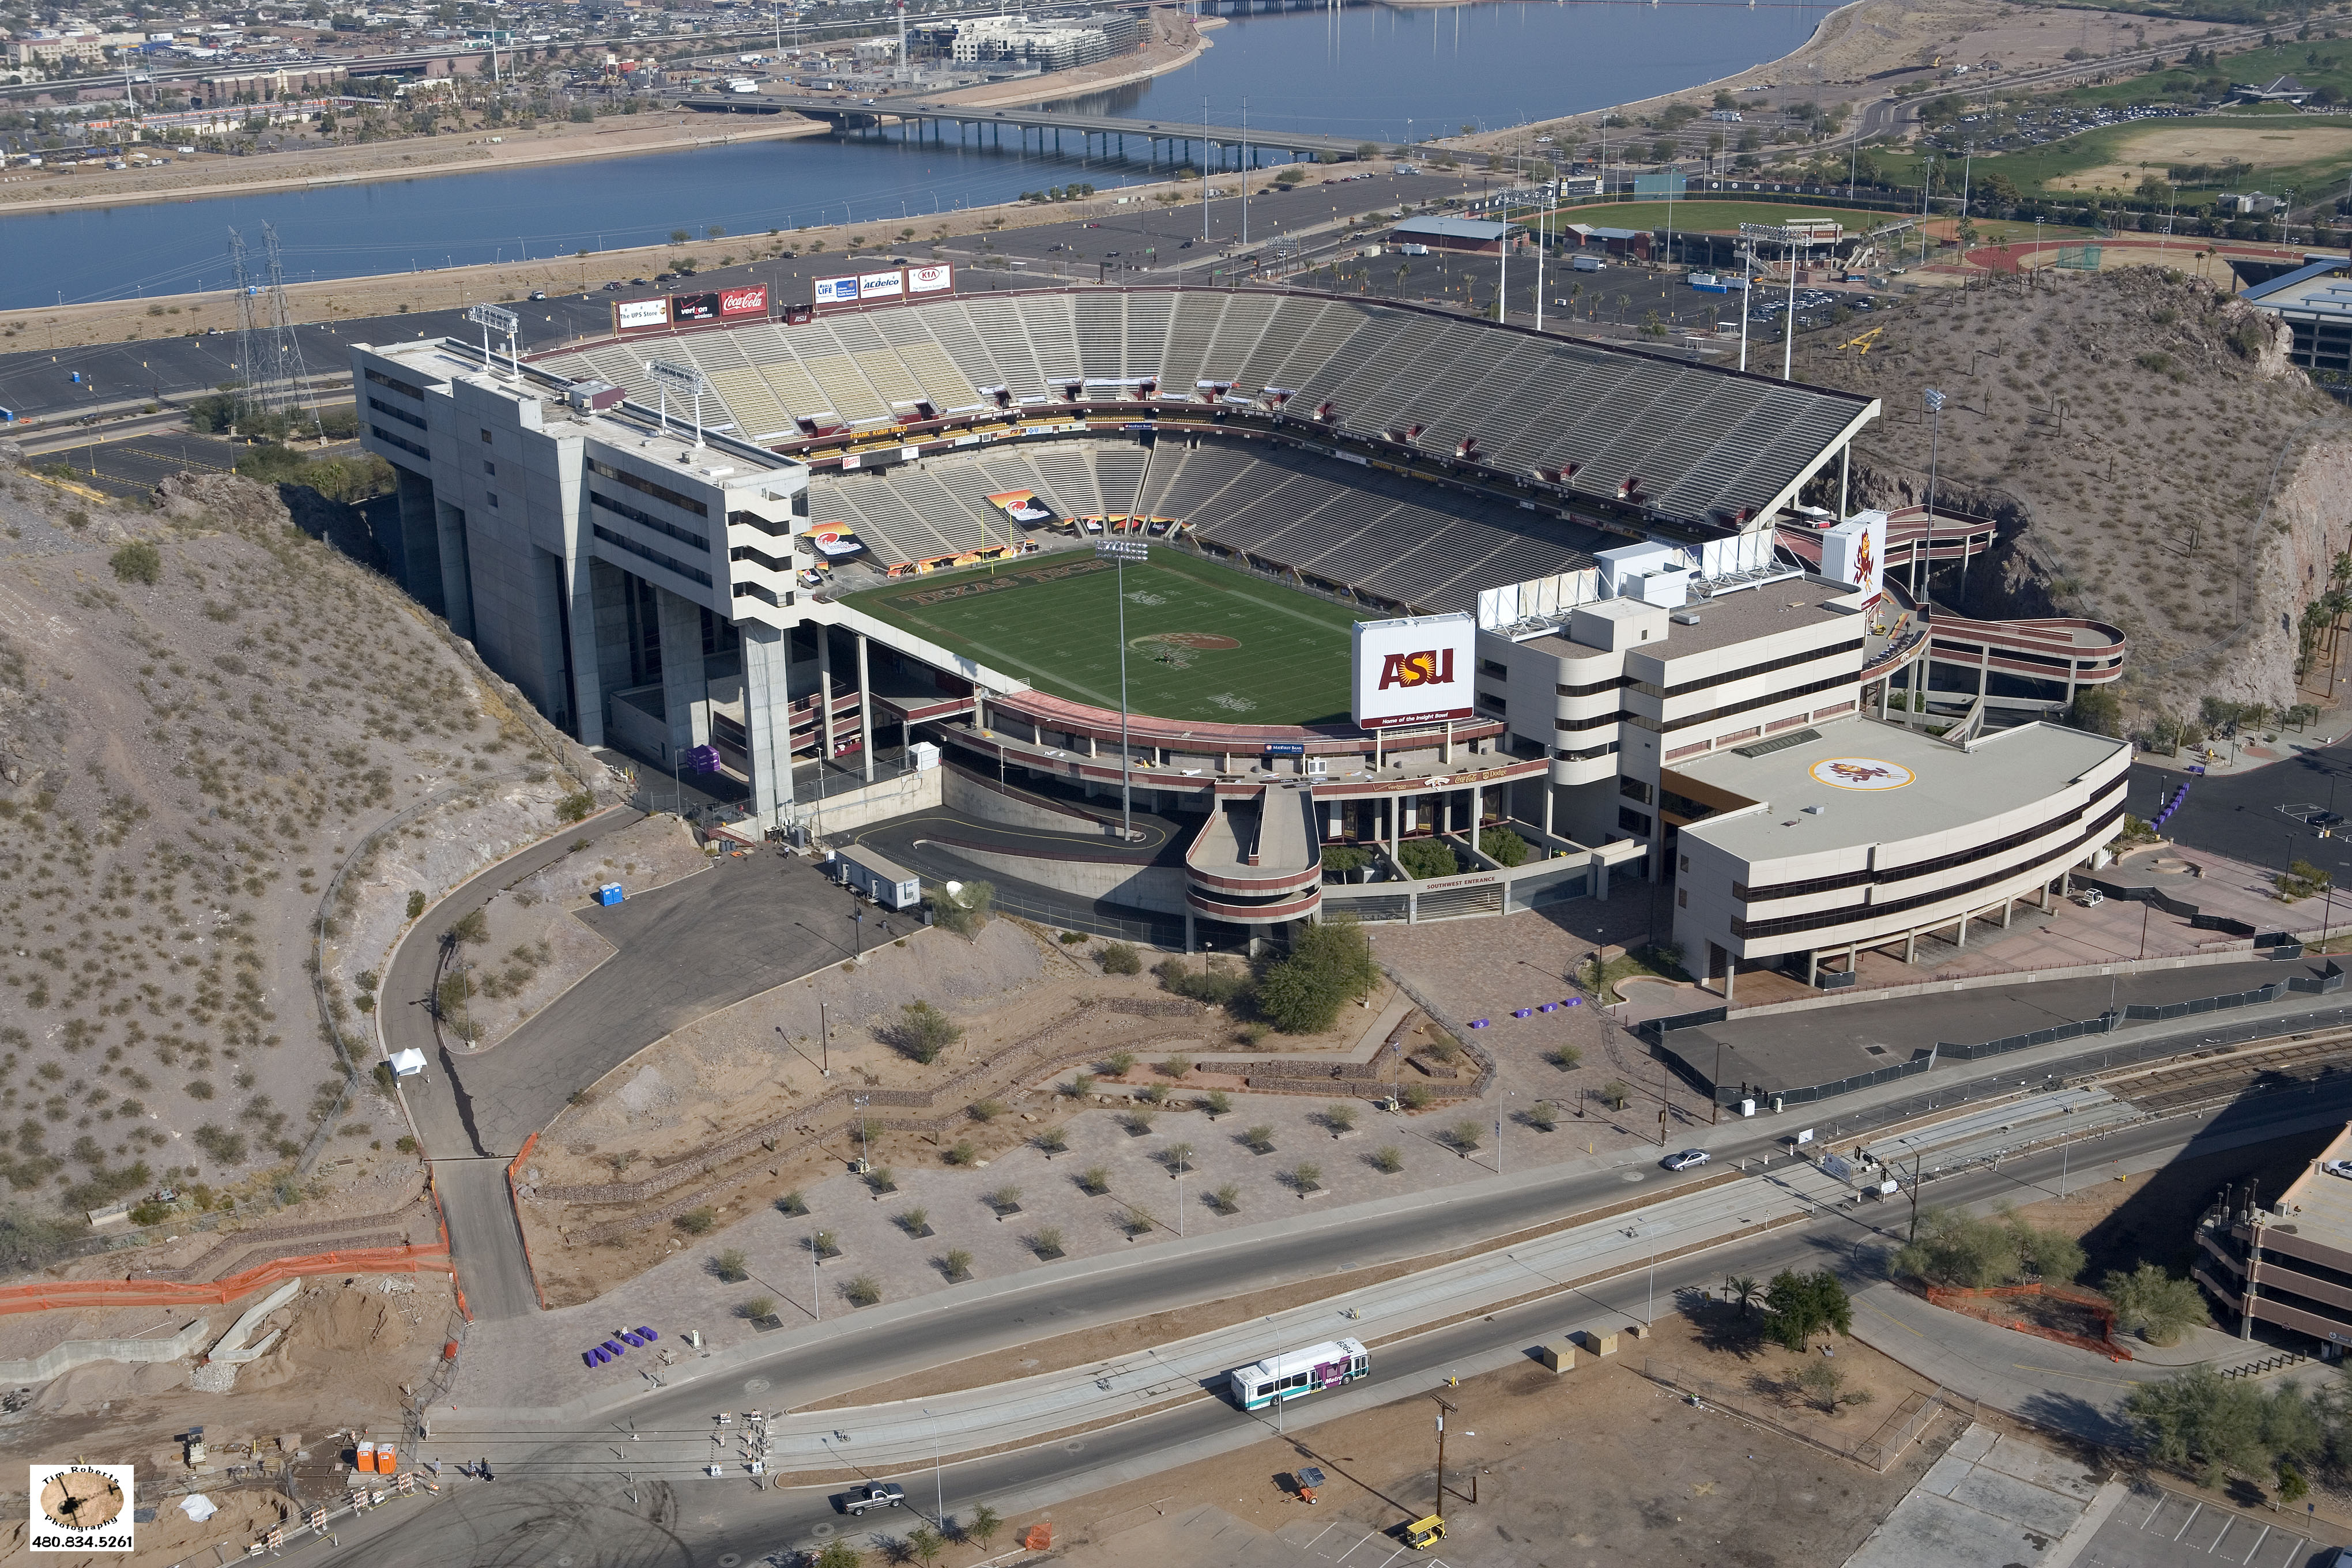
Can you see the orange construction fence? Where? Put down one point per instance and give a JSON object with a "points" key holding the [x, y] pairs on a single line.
{"points": [[49, 1294]]}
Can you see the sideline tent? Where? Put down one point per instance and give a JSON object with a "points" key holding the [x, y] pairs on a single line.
{"points": [[408, 1063]]}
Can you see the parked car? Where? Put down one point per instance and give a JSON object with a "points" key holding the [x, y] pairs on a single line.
{"points": [[1685, 1159], [864, 1500], [2090, 897], [609, 287], [2337, 1168], [539, 293]]}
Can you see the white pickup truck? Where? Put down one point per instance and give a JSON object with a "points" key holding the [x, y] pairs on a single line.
{"points": [[872, 1495]]}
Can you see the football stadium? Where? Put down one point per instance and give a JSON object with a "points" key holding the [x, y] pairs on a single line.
{"points": [[1183, 613]]}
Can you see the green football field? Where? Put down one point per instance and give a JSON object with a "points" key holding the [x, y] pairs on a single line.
{"points": [[1203, 642]]}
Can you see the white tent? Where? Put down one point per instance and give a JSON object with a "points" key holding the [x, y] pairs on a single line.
{"points": [[408, 1063], [197, 1507]]}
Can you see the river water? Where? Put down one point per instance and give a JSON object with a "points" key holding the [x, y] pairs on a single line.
{"points": [[1372, 72]]}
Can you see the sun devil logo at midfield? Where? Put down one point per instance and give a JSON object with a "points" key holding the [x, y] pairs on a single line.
{"points": [[1430, 667]]}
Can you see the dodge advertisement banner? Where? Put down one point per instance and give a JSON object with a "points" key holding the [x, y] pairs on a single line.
{"points": [[929, 279], [633, 315], [1413, 671]]}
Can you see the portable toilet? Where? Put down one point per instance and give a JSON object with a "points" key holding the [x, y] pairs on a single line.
{"points": [[610, 893]]}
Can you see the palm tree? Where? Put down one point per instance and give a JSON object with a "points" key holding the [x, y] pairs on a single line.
{"points": [[1739, 1287]]}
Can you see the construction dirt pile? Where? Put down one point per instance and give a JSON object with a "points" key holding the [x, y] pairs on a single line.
{"points": [[2154, 461]]}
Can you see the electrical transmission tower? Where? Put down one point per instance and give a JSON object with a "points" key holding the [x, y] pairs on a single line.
{"points": [[268, 352]]}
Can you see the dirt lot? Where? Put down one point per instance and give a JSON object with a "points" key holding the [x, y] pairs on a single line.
{"points": [[1855, 46], [2163, 146], [532, 951], [347, 1348], [1598, 1466]]}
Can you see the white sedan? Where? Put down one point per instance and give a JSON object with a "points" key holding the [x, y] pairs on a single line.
{"points": [[1685, 1159]]}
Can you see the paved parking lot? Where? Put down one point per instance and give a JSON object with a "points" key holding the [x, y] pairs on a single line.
{"points": [[2155, 1528]]}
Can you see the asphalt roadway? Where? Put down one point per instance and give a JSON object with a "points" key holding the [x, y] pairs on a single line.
{"points": [[579, 1500]]}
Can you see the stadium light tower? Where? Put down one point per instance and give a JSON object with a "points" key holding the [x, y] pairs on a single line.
{"points": [[1935, 402], [1119, 553]]}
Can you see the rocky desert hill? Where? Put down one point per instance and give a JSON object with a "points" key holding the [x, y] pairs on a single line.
{"points": [[2156, 462], [228, 753]]}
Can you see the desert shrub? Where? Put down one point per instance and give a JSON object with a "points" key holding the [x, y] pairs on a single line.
{"points": [[697, 1222], [923, 1032], [1119, 958], [138, 561]]}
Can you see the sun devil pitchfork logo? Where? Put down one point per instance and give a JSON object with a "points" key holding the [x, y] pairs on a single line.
{"points": [[1862, 774], [1430, 667]]}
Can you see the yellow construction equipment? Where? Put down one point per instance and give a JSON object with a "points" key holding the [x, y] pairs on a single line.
{"points": [[1423, 1533]]}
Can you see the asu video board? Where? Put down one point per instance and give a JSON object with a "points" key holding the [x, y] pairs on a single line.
{"points": [[1413, 671]]}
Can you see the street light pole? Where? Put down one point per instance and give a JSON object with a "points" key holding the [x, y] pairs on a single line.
{"points": [[1120, 552]]}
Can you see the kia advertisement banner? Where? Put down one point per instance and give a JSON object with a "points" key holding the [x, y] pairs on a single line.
{"points": [[929, 279], [631, 315]]}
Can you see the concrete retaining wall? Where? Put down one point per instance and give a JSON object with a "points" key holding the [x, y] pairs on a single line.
{"points": [[877, 801], [1157, 888], [64, 1357]]}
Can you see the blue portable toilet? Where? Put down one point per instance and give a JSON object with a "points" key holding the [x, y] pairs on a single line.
{"points": [[610, 893]]}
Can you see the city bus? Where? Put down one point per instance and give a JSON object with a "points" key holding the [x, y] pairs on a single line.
{"points": [[1287, 1376]]}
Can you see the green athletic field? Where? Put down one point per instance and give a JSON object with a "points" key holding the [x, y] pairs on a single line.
{"points": [[1052, 619]]}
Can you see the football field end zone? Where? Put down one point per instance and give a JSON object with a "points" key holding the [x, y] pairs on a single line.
{"points": [[1192, 607]]}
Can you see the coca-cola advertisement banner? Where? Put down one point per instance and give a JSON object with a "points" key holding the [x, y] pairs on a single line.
{"points": [[750, 301]]}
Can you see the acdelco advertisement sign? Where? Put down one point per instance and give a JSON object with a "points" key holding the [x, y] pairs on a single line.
{"points": [[881, 285], [629, 315], [929, 279], [836, 290], [1413, 671]]}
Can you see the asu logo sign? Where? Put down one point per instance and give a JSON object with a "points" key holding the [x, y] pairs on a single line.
{"points": [[1865, 773], [1430, 667], [1413, 671]]}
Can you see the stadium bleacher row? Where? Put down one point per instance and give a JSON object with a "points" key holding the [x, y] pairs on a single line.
{"points": [[1701, 445], [1413, 546]]}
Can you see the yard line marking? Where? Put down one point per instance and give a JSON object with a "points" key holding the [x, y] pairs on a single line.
{"points": [[2194, 1510], [1374, 1535], [1320, 1534], [2249, 1557], [2221, 1538]]}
